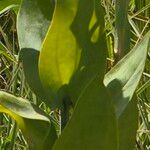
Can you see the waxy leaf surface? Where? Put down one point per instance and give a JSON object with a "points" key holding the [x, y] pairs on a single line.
{"points": [[124, 77], [34, 124], [122, 81], [33, 22]]}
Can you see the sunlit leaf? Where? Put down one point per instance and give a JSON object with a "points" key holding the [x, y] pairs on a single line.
{"points": [[35, 125], [60, 53], [33, 22], [88, 28], [123, 79], [122, 82]]}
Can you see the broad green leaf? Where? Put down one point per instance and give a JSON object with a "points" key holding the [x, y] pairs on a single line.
{"points": [[122, 81], [35, 125], [124, 77], [33, 22], [88, 28], [7, 4], [60, 53], [122, 28], [128, 125], [93, 123]]}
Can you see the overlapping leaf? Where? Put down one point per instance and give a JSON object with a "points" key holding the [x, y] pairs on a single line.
{"points": [[122, 81], [33, 22], [88, 28], [94, 111], [125, 76], [60, 52], [93, 123], [34, 124]]}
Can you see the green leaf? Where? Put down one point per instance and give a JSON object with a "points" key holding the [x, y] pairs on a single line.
{"points": [[93, 123], [128, 125], [124, 77], [88, 28], [60, 53], [8, 4], [35, 125], [33, 22], [122, 81]]}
